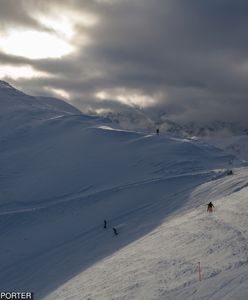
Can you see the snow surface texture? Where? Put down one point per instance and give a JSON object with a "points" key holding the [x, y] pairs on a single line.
{"points": [[63, 173], [164, 263], [236, 145]]}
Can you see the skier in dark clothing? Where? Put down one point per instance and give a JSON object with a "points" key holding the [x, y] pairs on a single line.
{"points": [[115, 231], [105, 224], [210, 207], [157, 131]]}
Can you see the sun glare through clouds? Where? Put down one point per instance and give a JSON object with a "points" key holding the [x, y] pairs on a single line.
{"points": [[17, 72], [59, 93], [62, 27], [55, 41], [34, 45]]}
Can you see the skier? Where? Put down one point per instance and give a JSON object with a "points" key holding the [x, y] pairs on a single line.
{"points": [[115, 231], [157, 131], [105, 224], [210, 207]]}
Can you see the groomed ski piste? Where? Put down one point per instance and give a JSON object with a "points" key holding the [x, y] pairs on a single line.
{"points": [[64, 173]]}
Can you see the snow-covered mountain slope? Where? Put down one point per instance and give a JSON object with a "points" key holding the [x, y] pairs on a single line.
{"points": [[236, 145], [18, 110], [165, 263], [63, 155], [13, 100], [63, 173], [58, 105]]}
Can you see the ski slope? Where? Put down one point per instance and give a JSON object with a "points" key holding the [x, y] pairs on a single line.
{"points": [[164, 263], [63, 173]]}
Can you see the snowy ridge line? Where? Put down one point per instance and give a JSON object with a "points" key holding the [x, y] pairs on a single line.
{"points": [[74, 197], [67, 115]]}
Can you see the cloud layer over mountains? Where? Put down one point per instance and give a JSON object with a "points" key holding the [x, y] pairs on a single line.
{"points": [[187, 59]]}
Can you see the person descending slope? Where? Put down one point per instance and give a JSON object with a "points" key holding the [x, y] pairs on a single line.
{"points": [[105, 224], [157, 131], [210, 207], [115, 231]]}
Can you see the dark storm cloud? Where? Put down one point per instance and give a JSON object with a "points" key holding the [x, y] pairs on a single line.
{"points": [[193, 53], [18, 14], [13, 60]]}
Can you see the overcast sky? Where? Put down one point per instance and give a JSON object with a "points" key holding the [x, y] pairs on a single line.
{"points": [[188, 58]]}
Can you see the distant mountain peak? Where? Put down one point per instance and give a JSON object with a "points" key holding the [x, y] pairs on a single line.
{"points": [[5, 85], [9, 90], [23, 108]]}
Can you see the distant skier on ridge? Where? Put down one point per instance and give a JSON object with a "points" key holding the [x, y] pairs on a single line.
{"points": [[210, 207]]}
